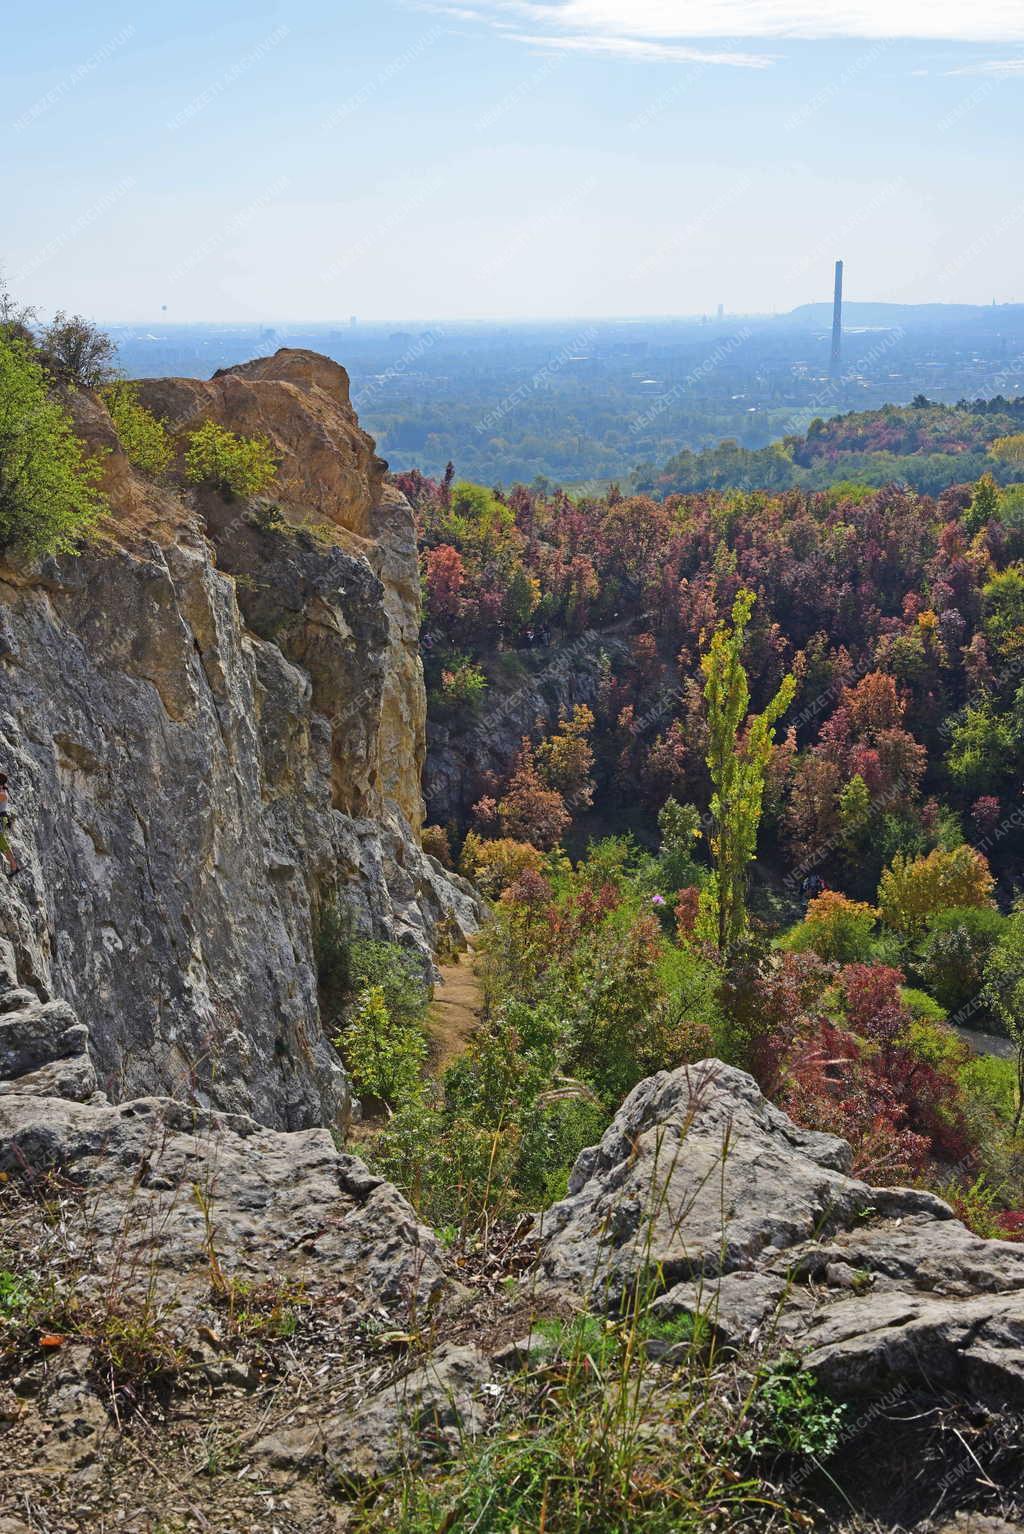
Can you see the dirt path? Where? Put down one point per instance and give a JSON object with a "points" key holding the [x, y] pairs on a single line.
{"points": [[454, 1012], [989, 1043]]}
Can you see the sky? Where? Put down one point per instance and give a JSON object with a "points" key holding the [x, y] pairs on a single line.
{"points": [[289, 160]]}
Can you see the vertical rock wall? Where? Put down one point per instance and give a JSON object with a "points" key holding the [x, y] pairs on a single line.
{"points": [[213, 721]]}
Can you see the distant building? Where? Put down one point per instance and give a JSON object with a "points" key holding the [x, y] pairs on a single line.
{"points": [[721, 311], [836, 364], [352, 322]]}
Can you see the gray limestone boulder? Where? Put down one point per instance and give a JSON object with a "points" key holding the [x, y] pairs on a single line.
{"points": [[707, 1200]]}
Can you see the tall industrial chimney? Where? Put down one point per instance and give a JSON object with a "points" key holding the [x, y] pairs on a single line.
{"points": [[837, 325]]}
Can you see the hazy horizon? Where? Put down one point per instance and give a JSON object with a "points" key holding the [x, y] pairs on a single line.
{"points": [[343, 321]]}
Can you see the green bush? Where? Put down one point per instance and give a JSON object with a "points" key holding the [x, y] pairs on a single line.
{"points": [[377, 996], [839, 930], [396, 970], [143, 437], [384, 1054], [921, 1006], [990, 1082], [236, 466], [48, 494], [952, 956], [934, 1042], [462, 683], [676, 867]]}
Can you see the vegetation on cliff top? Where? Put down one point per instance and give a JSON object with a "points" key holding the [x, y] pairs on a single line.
{"points": [[49, 495], [49, 498]]}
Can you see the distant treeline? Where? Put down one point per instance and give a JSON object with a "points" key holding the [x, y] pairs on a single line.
{"points": [[924, 445]]}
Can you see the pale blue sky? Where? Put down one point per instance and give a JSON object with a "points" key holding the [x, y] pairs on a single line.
{"points": [[269, 161]]}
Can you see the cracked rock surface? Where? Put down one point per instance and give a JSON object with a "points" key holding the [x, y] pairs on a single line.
{"points": [[703, 1190]]}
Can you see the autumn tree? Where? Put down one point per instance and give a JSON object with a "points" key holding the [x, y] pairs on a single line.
{"points": [[911, 890], [565, 759], [530, 811], [444, 576], [740, 747]]}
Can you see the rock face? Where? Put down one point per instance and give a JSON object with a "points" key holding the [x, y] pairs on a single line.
{"points": [[713, 1201], [213, 723], [554, 682]]}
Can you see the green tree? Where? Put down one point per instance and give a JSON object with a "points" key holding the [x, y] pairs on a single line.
{"points": [[143, 437], [76, 352], [982, 747], [234, 465], [854, 811], [1003, 599], [740, 747], [1004, 993], [984, 507], [48, 494], [384, 1052]]}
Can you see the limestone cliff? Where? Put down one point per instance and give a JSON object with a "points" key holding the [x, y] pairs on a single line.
{"points": [[213, 722]]}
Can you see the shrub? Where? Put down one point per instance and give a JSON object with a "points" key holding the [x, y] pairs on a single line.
{"points": [[836, 929], [143, 437], [680, 831], [495, 865], [922, 1006], [990, 1082], [932, 1040], [234, 465], [951, 961], [396, 970], [462, 683], [791, 1414], [436, 845], [384, 1052], [76, 352], [48, 494], [911, 892], [687, 909], [977, 1205], [873, 1001]]}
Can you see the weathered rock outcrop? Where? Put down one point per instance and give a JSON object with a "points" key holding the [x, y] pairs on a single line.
{"points": [[713, 1199], [194, 1195], [213, 723]]}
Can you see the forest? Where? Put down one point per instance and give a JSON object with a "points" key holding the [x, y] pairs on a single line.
{"points": [[793, 806]]}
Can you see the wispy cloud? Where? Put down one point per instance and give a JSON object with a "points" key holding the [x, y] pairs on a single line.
{"points": [[992, 67], [621, 26], [639, 48]]}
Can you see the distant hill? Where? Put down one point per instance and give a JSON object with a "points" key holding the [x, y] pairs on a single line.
{"points": [[910, 316], [925, 445]]}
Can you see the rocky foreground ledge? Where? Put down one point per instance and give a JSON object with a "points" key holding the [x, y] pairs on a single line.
{"points": [[317, 1330]]}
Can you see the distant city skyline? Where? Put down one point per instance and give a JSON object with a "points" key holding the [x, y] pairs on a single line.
{"points": [[500, 159]]}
